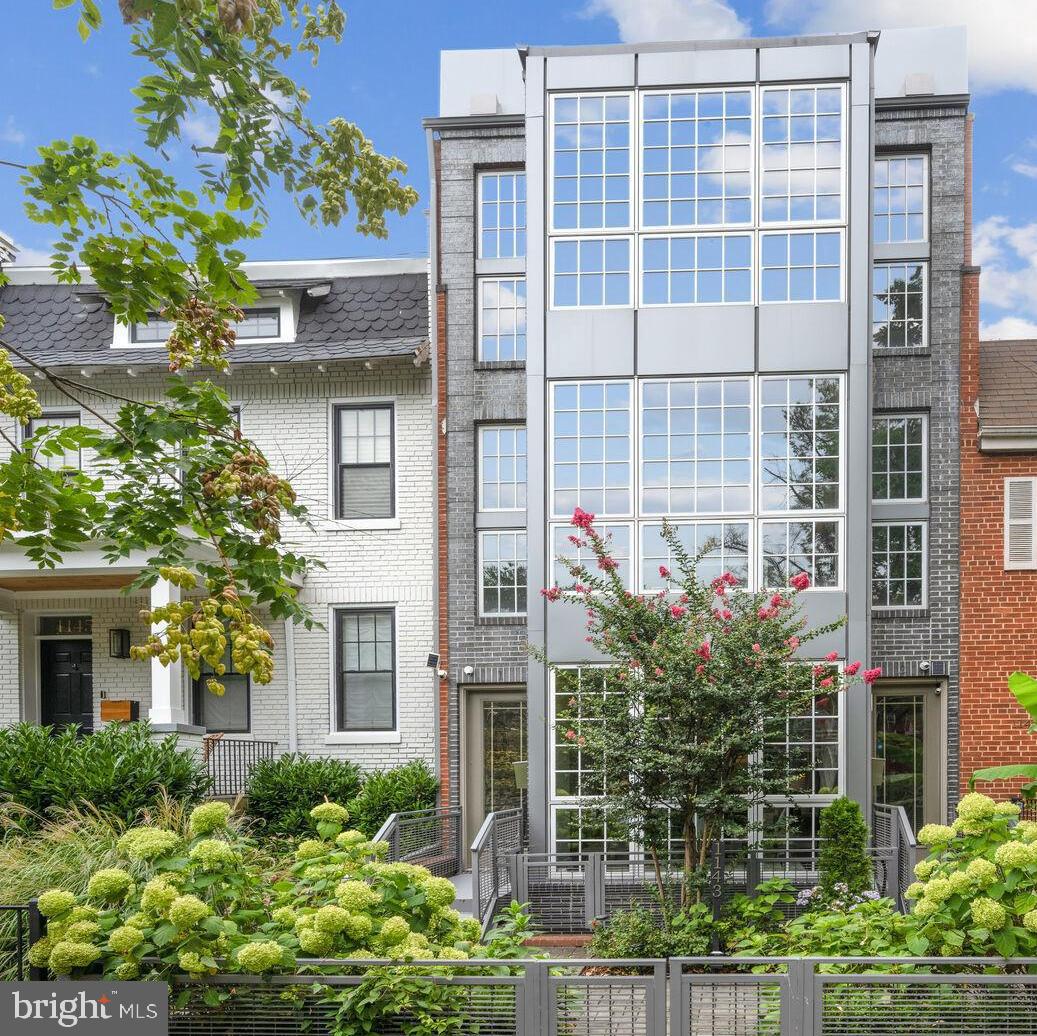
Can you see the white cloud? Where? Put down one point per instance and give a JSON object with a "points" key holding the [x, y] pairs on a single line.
{"points": [[639, 20], [11, 134], [1002, 33], [1008, 257], [1025, 169], [1008, 327], [26, 256], [201, 130]]}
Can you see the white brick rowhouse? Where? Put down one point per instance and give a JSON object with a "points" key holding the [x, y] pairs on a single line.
{"points": [[346, 341]]}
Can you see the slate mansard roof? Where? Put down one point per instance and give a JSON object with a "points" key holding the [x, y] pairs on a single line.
{"points": [[368, 309]]}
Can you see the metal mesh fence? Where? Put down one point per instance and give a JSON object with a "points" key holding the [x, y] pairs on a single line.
{"points": [[428, 837], [622, 1005], [499, 839], [732, 1005]]}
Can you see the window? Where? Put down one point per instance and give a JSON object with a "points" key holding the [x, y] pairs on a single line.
{"points": [[801, 154], [49, 422], [696, 446], [502, 215], [790, 547], [728, 544], [1020, 523], [899, 199], [898, 447], [258, 322], [590, 455], [804, 266], [898, 565], [364, 462], [805, 748], [365, 656], [618, 540], [591, 272], [898, 305], [591, 186], [502, 319], [229, 712], [502, 468], [799, 444], [696, 270], [502, 563], [696, 156]]}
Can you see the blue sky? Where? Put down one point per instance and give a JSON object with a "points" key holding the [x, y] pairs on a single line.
{"points": [[384, 76]]}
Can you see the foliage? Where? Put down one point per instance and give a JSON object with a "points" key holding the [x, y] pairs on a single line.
{"points": [[118, 771], [843, 858], [175, 479], [1024, 688], [700, 683], [397, 790], [281, 792]]}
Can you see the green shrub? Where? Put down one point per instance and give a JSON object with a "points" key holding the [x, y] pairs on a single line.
{"points": [[281, 792], [843, 859], [119, 770], [399, 790]]}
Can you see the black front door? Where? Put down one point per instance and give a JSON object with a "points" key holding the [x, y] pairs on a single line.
{"points": [[66, 683]]}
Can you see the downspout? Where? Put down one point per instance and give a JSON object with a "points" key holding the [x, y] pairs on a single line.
{"points": [[289, 672]]}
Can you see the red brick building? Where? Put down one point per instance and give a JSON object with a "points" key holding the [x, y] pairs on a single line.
{"points": [[998, 541]]}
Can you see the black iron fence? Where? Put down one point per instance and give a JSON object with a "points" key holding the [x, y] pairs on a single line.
{"points": [[20, 926], [230, 761]]}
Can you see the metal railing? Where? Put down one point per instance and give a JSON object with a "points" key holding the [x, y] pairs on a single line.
{"points": [[891, 829], [230, 761], [429, 837], [500, 838], [20, 926]]}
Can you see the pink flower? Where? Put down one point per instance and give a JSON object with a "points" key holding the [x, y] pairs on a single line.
{"points": [[730, 579], [607, 564], [699, 669], [581, 589], [582, 519], [757, 648], [818, 670], [827, 682], [726, 614], [777, 601], [851, 669], [664, 572], [767, 613], [577, 542], [831, 656], [552, 593], [581, 740], [677, 611], [800, 581], [570, 735], [793, 642], [658, 671], [871, 675], [704, 651]]}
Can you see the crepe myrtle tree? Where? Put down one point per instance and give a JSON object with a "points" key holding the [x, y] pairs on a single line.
{"points": [[174, 478], [703, 679]]}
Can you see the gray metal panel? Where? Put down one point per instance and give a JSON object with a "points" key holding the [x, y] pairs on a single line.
{"points": [[820, 608], [534, 86], [590, 343], [910, 250], [893, 511], [567, 632], [940, 52], [590, 72], [501, 267], [500, 519], [696, 340], [803, 336], [696, 67], [804, 62]]}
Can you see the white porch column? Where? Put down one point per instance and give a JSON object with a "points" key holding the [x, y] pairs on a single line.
{"points": [[167, 681]]}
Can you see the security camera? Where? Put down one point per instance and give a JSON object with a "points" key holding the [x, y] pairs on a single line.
{"points": [[924, 667], [468, 670], [441, 673]]}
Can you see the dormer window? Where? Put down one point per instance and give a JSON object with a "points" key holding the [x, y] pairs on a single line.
{"points": [[260, 322]]}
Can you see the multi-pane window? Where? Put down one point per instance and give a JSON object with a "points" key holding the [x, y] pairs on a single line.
{"points": [[898, 447], [898, 304], [502, 319], [502, 571], [790, 547], [804, 749], [618, 543], [591, 272], [502, 468], [591, 185], [55, 421], [803, 266], [696, 158], [365, 657], [591, 463], [898, 564], [799, 444], [801, 154], [257, 322], [728, 551], [899, 203], [696, 446], [502, 215], [702, 269], [228, 712], [364, 462]]}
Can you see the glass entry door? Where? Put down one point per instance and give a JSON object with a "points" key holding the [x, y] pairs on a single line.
{"points": [[496, 740], [907, 752]]}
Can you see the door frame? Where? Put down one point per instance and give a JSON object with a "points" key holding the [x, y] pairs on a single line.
{"points": [[469, 731], [933, 740], [39, 639]]}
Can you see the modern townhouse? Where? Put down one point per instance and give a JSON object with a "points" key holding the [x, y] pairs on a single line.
{"points": [[715, 282], [330, 377]]}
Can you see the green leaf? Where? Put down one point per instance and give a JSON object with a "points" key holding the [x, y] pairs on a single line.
{"points": [[164, 934], [1005, 942], [1004, 773], [1024, 687], [83, 26], [918, 944]]}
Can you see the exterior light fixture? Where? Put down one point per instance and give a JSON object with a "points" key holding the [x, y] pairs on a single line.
{"points": [[119, 643]]}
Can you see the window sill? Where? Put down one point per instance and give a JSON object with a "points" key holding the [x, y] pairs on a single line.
{"points": [[919, 350], [363, 737], [901, 613], [360, 524], [500, 365], [500, 620]]}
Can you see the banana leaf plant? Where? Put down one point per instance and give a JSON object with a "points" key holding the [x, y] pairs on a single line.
{"points": [[1024, 687]]}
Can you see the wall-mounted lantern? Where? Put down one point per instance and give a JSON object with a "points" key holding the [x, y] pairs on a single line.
{"points": [[119, 643]]}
